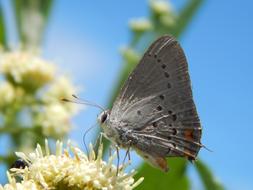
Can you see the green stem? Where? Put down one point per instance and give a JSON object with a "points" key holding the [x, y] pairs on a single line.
{"points": [[17, 130], [8, 159], [5, 158], [185, 16], [3, 40]]}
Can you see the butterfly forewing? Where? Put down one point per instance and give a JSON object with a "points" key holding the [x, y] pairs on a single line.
{"points": [[156, 103]]}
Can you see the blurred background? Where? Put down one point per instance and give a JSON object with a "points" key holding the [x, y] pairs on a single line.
{"points": [[95, 44]]}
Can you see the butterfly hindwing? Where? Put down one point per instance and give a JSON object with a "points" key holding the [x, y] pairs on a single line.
{"points": [[156, 103]]}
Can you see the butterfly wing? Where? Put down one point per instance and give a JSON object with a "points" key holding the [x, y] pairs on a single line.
{"points": [[156, 104]]}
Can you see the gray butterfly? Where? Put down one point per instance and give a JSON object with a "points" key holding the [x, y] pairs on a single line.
{"points": [[154, 112]]}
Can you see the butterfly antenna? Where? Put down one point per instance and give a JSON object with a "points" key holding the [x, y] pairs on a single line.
{"points": [[84, 136], [88, 102], [81, 101]]}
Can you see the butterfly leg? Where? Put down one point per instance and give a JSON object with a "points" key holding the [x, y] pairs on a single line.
{"points": [[127, 155], [118, 158], [129, 143]]}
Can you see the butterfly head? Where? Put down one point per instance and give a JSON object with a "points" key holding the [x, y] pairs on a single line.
{"points": [[104, 116]]}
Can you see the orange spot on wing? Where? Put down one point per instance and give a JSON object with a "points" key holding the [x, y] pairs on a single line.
{"points": [[162, 163], [188, 134]]}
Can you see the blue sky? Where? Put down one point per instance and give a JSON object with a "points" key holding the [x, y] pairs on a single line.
{"points": [[84, 37]]}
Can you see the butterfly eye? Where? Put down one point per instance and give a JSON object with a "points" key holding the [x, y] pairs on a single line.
{"points": [[103, 118]]}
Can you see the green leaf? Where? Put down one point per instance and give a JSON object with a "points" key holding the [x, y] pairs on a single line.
{"points": [[45, 8], [174, 179], [25, 9], [209, 181], [185, 16], [18, 7], [3, 41]]}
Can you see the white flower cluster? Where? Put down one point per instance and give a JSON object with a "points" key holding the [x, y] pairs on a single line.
{"points": [[7, 94], [160, 6], [13, 185], [56, 114], [55, 120], [161, 11], [130, 55], [164, 11], [48, 171], [26, 69], [140, 25], [32, 82], [61, 88]]}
